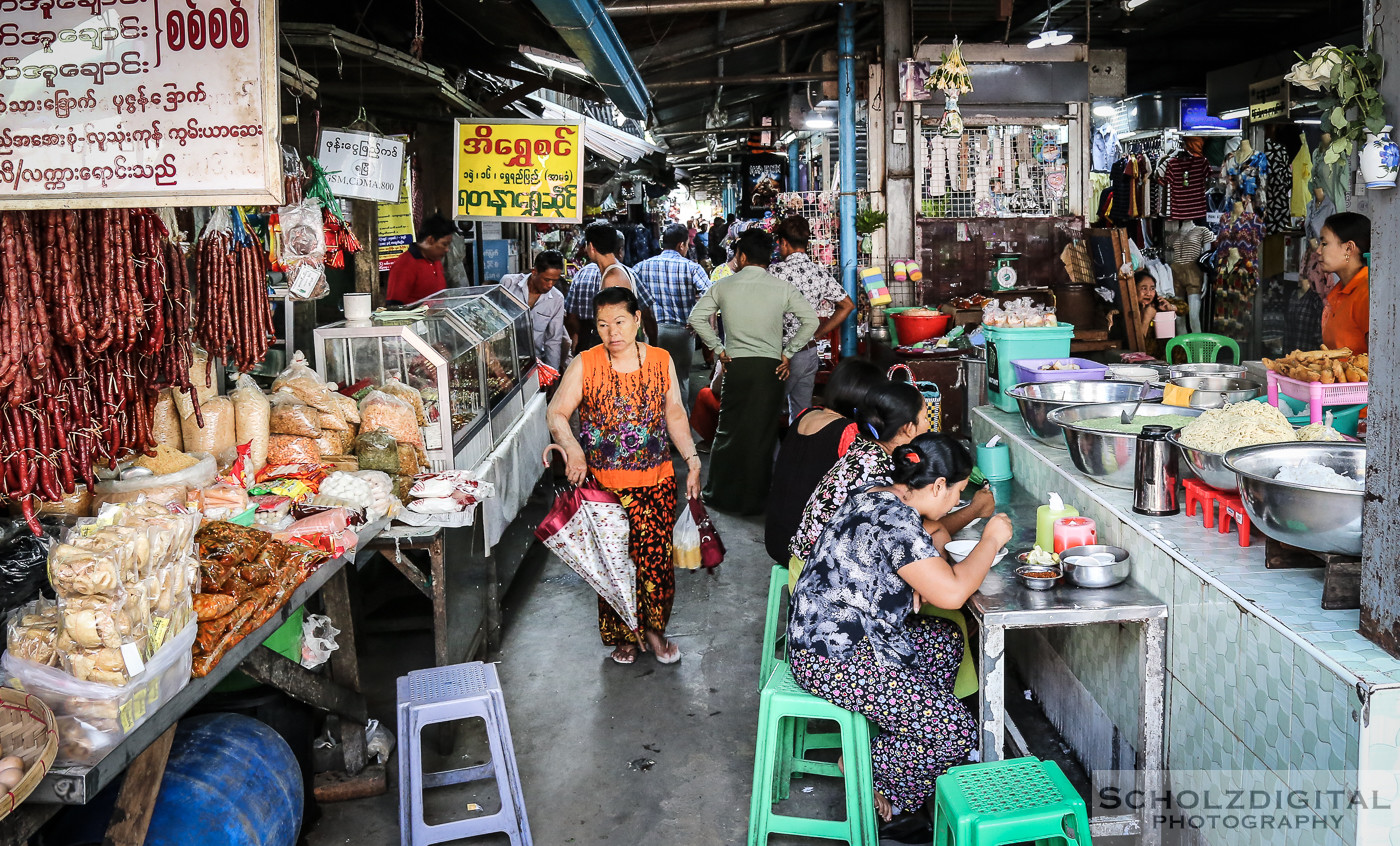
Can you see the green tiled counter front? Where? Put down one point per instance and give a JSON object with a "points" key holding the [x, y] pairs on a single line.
{"points": [[1261, 680]]}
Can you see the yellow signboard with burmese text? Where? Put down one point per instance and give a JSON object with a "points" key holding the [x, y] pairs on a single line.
{"points": [[526, 171]]}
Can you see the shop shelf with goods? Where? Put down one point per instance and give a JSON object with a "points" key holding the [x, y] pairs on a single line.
{"points": [[471, 359]]}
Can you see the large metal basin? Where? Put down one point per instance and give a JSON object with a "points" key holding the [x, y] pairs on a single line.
{"points": [[1107, 457], [1319, 519], [1215, 391], [1038, 399], [1177, 370], [1209, 467]]}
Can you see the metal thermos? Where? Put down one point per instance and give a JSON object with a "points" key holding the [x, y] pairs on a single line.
{"points": [[1156, 475]]}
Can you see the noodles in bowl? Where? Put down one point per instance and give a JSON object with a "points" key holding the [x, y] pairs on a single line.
{"points": [[1240, 424]]}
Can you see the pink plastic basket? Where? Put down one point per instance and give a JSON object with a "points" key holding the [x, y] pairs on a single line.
{"points": [[1317, 395]]}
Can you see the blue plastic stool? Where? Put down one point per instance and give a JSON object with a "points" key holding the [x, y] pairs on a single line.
{"points": [[444, 694], [781, 704]]}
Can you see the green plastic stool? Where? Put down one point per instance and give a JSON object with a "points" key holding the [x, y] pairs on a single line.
{"points": [[1024, 800], [1202, 348], [773, 640], [782, 701]]}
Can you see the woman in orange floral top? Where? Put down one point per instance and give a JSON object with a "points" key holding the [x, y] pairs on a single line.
{"points": [[628, 401]]}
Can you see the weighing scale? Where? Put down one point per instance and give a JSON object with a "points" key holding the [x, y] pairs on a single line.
{"points": [[1004, 274]]}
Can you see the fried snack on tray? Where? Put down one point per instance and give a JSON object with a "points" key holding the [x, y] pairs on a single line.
{"points": [[1329, 367], [229, 544]]}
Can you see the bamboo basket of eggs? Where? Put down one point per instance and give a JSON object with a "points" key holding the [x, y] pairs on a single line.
{"points": [[28, 746]]}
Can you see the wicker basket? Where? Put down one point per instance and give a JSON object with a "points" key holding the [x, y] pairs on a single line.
{"points": [[27, 729]]}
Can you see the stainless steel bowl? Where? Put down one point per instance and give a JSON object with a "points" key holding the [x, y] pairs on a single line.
{"points": [[1175, 370], [1035, 584], [1137, 372], [1209, 467], [1038, 399], [1087, 575], [1319, 519], [1215, 391], [1107, 457]]}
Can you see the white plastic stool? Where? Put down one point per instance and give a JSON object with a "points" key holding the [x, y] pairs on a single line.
{"points": [[444, 694]]}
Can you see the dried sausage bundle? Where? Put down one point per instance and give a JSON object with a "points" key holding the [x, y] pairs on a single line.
{"points": [[233, 318]]}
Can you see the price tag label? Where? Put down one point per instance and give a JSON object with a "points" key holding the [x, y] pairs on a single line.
{"points": [[128, 716], [304, 282], [159, 626], [131, 654]]}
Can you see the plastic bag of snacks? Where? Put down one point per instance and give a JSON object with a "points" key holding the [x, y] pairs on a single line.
{"points": [[302, 381], [165, 421], [376, 449], [252, 419], [1021, 313], [381, 410]]}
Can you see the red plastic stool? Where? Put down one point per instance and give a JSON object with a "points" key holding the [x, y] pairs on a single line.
{"points": [[1200, 494], [1232, 509]]}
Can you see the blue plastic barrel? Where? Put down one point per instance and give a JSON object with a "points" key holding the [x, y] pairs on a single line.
{"points": [[230, 781]]}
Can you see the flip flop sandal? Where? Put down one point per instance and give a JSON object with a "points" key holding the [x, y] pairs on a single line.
{"points": [[675, 656], [625, 661]]}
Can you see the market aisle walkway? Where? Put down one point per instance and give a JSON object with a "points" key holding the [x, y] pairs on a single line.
{"points": [[586, 728]]}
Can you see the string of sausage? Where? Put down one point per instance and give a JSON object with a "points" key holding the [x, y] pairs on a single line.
{"points": [[233, 318], [94, 321]]}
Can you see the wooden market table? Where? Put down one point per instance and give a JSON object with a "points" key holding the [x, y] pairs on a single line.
{"points": [[145, 749]]}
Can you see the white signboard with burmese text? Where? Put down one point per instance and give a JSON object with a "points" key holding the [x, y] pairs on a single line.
{"points": [[138, 103]]}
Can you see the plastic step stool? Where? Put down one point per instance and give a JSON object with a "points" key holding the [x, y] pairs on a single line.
{"points": [[999, 802], [773, 639], [795, 732], [1232, 510], [444, 694], [1200, 495], [783, 701], [1232, 513]]}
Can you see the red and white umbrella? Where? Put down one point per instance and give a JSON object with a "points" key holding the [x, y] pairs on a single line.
{"points": [[587, 527]]}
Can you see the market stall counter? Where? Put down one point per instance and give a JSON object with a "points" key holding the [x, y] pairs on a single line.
{"points": [[1266, 690], [1003, 604]]}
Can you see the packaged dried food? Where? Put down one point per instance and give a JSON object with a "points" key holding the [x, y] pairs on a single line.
{"points": [[229, 544], [221, 501], [292, 416], [334, 421], [218, 435], [75, 571], [104, 665], [377, 449], [302, 381], [165, 421], [32, 631], [252, 419], [161, 490], [90, 622], [333, 442], [395, 388], [206, 387], [292, 449], [379, 409], [408, 460], [165, 460], [346, 408], [210, 606], [342, 463]]}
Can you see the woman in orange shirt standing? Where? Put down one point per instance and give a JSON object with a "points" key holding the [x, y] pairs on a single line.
{"points": [[1346, 251]]}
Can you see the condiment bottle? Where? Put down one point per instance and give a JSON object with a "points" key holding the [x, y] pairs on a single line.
{"points": [[1045, 517]]}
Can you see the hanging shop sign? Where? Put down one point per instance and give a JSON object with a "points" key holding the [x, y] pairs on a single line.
{"points": [[519, 170], [1269, 100], [395, 225], [765, 176], [137, 103], [362, 165]]}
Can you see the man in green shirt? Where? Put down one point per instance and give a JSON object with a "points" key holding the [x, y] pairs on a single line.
{"points": [[752, 303]]}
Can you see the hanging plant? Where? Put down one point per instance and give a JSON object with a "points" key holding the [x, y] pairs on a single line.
{"points": [[1350, 77], [952, 76], [869, 221]]}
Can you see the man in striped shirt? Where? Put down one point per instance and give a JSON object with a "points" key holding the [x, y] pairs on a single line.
{"points": [[669, 285]]}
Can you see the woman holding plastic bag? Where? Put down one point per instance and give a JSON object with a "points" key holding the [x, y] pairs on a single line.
{"points": [[628, 400]]}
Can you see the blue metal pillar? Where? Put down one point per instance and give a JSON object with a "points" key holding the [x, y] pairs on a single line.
{"points": [[792, 166], [846, 116]]}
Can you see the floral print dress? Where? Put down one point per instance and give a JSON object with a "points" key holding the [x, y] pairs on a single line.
{"points": [[622, 427], [865, 463], [853, 643]]}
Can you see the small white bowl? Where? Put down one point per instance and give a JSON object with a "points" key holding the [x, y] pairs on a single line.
{"points": [[960, 549]]}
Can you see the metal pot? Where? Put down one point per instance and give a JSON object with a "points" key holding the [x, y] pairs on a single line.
{"points": [[1319, 519], [1209, 467], [1108, 457], [1175, 370], [1083, 573], [1215, 391], [1038, 399]]}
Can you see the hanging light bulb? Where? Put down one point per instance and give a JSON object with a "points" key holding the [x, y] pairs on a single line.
{"points": [[1049, 37]]}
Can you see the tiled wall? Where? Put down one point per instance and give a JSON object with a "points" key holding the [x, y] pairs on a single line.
{"points": [[1243, 695]]}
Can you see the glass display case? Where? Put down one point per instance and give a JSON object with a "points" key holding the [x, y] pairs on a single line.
{"points": [[463, 350], [492, 313]]}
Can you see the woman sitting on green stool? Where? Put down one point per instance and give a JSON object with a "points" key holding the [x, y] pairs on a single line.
{"points": [[853, 639]]}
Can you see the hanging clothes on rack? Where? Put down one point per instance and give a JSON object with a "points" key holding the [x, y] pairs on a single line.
{"points": [[1237, 263], [1104, 148], [1277, 187], [1187, 177]]}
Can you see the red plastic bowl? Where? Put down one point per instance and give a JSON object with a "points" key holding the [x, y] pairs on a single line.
{"points": [[912, 330]]}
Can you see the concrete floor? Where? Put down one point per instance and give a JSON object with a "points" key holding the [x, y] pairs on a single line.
{"points": [[611, 754]]}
